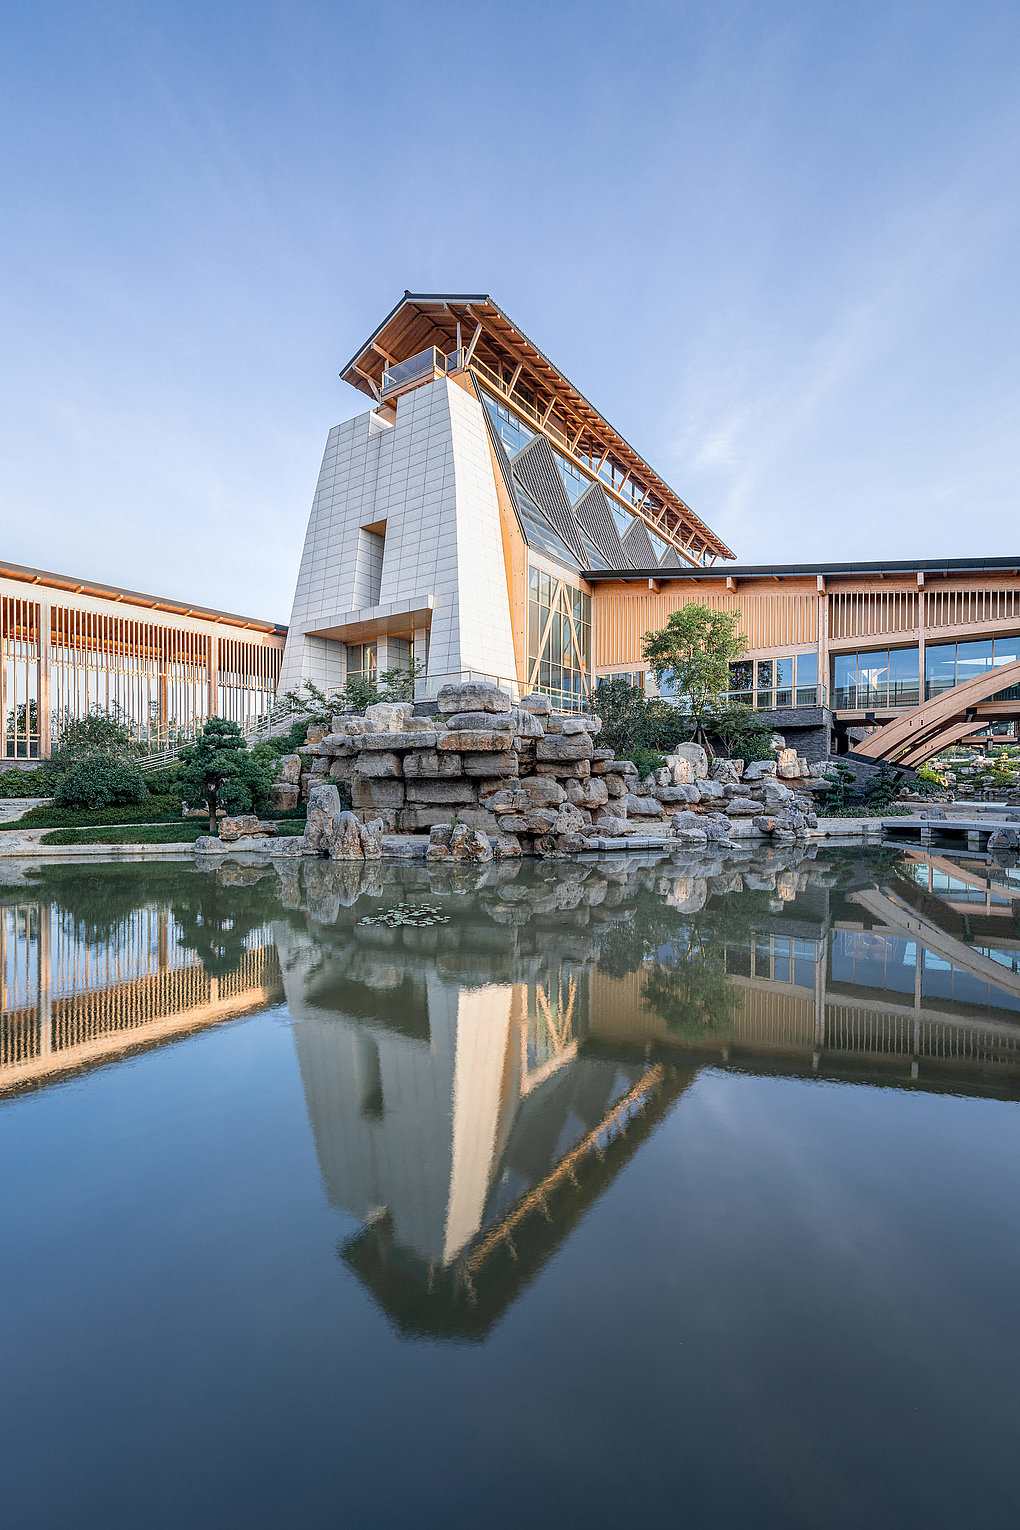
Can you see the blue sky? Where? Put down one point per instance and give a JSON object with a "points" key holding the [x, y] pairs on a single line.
{"points": [[777, 244]]}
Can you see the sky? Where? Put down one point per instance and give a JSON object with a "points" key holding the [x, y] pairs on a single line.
{"points": [[776, 244]]}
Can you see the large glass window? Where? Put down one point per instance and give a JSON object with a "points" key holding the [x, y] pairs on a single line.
{"points": [[742, 682], [879, 677], [559, 637], [510, 428], [784, 682], [903, 682], [361, 661], [949, 664]]}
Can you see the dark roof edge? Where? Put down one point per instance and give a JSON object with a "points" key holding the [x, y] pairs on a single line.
{"points": [[792, 570], [422, 297]]}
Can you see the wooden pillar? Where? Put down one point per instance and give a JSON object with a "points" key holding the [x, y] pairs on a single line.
{"points": [[213, 660], [823, 636], [922, 600], [44, 703]]}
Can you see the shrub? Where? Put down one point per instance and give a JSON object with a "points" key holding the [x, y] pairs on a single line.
{"points": [[23, 783], [744, 734], [99, 781], [99, 732], [631, 722]]}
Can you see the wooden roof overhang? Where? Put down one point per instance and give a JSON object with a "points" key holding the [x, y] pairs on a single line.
{"points": [[70, 586], [421, 320]]}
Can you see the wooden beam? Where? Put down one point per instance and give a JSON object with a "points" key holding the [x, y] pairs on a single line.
{"points": [[474, 342], [511, 385]]}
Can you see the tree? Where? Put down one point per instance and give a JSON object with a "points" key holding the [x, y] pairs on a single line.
{"points": [[218, 768], [695, 649]]}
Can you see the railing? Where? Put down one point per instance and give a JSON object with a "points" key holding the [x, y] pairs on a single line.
{"points": [[427, 688], [783, 699], [427, 363]]}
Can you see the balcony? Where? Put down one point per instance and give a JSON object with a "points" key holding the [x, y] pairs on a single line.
{"points": [[416, 370]]}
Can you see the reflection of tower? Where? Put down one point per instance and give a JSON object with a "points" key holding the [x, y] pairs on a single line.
{"points": [[459, 1123]]}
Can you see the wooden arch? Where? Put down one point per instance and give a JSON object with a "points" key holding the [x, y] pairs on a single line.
{"points": [[933, 720]]}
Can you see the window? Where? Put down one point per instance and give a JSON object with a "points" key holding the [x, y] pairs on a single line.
{"points": [[807, 680], [784, 682], [559, 637], [361, 661], [878, 678]]}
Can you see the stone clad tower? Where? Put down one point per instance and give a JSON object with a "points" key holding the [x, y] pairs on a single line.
{"points": [[404, 546]]}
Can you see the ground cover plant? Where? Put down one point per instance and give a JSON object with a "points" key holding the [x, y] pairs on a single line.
{"points": [[47, 816]]}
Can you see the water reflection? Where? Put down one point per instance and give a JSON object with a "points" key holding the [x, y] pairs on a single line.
{"points": [[473, 1087]]}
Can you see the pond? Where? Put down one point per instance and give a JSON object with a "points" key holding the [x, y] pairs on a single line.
{"points": [[647, 1192]]}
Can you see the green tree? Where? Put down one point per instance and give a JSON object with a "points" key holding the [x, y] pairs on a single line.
{"points": [[695, 649], [218, 769]]}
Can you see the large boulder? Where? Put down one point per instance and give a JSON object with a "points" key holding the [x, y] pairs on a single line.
{"points": [[323, 807], [472, 696], [391, 740], [758, 770], [244, 826], [695, 756], [611, 827], [526, 723], [284, 798], [440, 791], [539, 706], [727, 771], [345, 838], [1004, 839], [477, 740], [369, 792], [382, 766], [288, 769], [577, 746], [498, 763], [427, 764], [592, 793], [466, 721], [389, 716], [543, 791], [643, 807]]}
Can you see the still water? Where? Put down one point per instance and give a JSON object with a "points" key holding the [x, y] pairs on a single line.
{"points": [[653, 1193]]}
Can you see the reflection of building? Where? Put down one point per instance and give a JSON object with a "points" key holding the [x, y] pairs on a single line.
{"points": [[914, 979], [68, 646], [67, 1003], [460, 1123]]}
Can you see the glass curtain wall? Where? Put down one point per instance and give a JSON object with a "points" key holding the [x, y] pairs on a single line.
{"points": [[949, 664], [559, 638], [878, 678]]}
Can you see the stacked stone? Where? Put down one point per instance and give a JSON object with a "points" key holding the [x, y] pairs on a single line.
{"points": [[526, 779]]}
